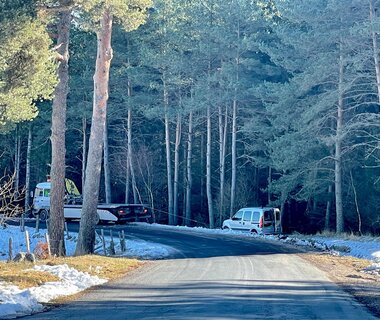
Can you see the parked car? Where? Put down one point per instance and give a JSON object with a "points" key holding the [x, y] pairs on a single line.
{"points": [[118, 213], [255, 220]]}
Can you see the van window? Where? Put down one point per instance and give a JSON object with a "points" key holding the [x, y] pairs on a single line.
{"points": [[238, 215], [247, 215], [268, 215], [256, 217], [39, 192]]}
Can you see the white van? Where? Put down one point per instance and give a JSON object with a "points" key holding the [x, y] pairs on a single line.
{"points": [[255, 220]]}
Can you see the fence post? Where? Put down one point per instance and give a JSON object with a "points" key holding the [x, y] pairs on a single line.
{"points": [[103, 242], [112, 244], [48, 243], [27, 241], [22, 223], [37, 223], [67, 231], [10, 249]]}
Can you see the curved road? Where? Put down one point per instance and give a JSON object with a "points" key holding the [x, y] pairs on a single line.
{"points": [[215, 277]]}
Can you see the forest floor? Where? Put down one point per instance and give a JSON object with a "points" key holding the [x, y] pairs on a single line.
{"points": [[348, 273]]}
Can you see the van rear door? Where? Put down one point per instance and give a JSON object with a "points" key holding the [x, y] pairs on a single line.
{"points": [[269, 221]]}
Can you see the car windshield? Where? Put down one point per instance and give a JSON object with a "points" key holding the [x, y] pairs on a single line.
{"points": [[238, 215]]}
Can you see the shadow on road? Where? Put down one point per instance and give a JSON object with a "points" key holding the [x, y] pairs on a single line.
{"points": [[228, 299]]}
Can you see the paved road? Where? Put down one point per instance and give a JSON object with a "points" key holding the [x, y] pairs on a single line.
{"points": [[215, 277]]}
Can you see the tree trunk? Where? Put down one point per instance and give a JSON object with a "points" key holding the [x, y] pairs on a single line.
{"points": [[130, 156], [202, 151], [86, 238], [168, 158], [176, 168], [27, 174], [189, 177], [222, 160], [338, 151], [84, 150], [356, 204], [17, 161], [233, 156], [106, 166], [208, 170], [58, 129], [373, 17], [127, 181], [269, 183], [328, 208]]}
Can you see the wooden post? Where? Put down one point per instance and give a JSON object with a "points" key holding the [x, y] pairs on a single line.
{"points": [[38, 223], [112, 244], [67, 231], [103, 242], [48, 243], [27, 241], [123, 247], [22, 223], [10, 249]]}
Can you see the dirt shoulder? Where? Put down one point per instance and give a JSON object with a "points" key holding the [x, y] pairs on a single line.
{"points": [[346, 272]]}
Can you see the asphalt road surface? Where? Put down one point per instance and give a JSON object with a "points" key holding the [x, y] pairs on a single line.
{"points": [[215, 277]]}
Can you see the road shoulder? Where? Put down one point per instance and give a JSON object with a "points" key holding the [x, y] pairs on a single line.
{"points": [[346, 272]]}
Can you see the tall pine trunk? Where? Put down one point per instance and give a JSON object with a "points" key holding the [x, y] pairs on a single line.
{"points": [[373, 17], [233, 156], [27, 173], [328, 208], [130, 155], [84, 150], [86, 238], [106, 166], [17, 161], [338, 149], [208, 170], [222, 160], [189, 176], [168, 156], [176, 168], [58, 129]]}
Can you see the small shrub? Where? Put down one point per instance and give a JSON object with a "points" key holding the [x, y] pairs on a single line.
{"points": [[41, 251]]}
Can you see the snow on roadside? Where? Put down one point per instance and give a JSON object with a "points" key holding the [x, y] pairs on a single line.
{"points": [[15, 302]]}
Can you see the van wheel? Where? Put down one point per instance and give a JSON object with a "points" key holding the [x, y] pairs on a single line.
{"points": [[44, 215], [253, 231], [226, 228]]}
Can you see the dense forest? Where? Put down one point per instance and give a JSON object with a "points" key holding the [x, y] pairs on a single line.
{"points": [[213, 105]]}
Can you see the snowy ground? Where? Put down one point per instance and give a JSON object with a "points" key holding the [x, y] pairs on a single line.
{"points": [[15, 302]]}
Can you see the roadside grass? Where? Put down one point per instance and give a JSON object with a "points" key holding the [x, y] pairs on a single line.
{"points": [[23, 276], [349, 236]]}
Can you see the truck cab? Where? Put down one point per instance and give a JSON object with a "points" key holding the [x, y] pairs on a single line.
{"points": [[41, 200]]}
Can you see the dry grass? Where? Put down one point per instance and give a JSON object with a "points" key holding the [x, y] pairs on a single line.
{"points": [[103, 267], [21, 275], [349, 236], [346, 272]]}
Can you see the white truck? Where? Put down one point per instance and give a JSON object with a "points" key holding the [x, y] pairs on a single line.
{"points": [[118, 213]]}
